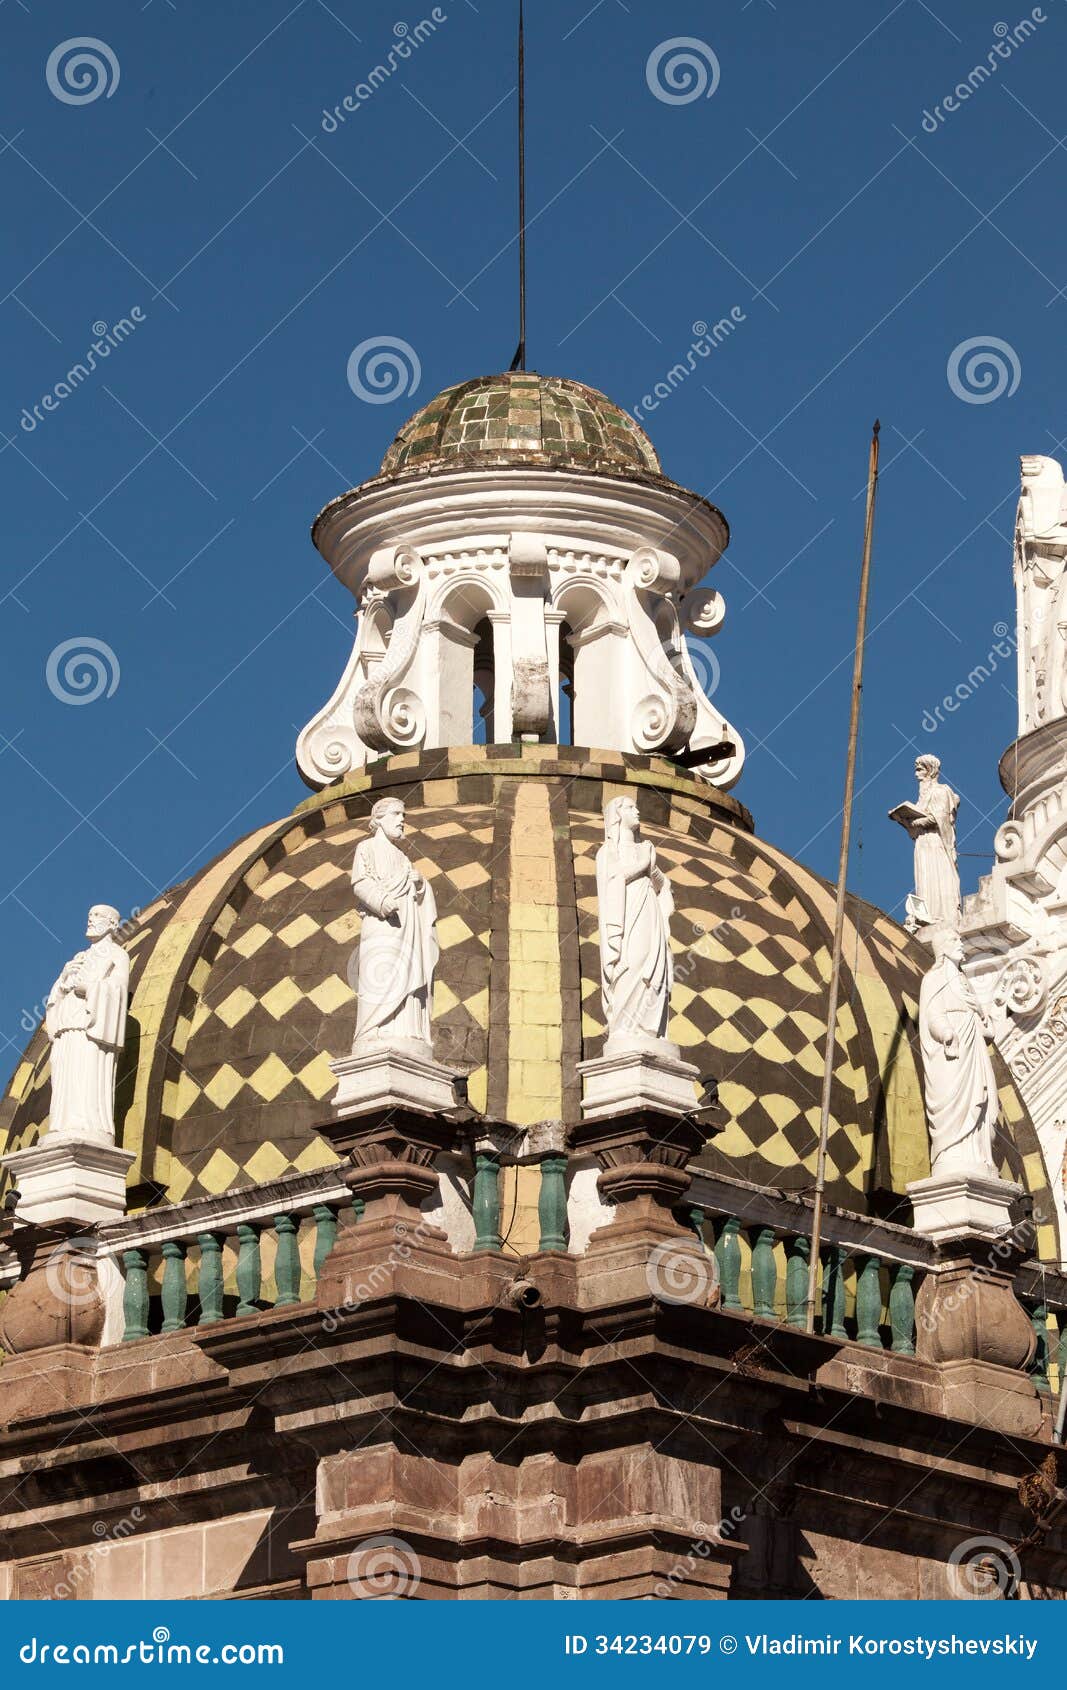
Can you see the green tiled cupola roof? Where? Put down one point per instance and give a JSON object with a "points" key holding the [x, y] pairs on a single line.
{"points": [[532, 418]]}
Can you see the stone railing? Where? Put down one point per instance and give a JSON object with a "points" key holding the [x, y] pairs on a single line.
{"points": [[870, 1271], [233, 1256]]}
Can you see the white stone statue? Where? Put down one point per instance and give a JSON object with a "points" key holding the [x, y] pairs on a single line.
{"points": [[398, 947], [959, 1085], [931, 823], [1040, 570], [635, 907], [85, 1018]]}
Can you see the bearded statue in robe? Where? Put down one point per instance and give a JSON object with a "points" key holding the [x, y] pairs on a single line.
{"points": [[931, 823], [85, 1019], [635, 906], [959, 1085], [398, 947]]}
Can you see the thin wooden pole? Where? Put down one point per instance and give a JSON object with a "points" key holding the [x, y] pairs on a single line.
{"points": [[520, 356], [842, 874]]}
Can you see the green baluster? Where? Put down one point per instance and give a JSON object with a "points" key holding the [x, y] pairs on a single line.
{"points": [[764, 1273], [135, 1295], [249, 1269], [696, 1221], [286, 1262], [486, 1203], [325, 1217], [211, 1308], [902, 1309], [833, 1293], [728, 1256], [869, 1302], [552, 1203], [175, 1290], [798, 1255], [1039, 1365]]}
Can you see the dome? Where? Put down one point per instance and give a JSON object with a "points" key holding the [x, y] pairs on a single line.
{"points": [[522, 418], [240, 983]]}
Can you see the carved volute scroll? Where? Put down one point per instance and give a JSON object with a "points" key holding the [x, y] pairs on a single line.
{"points": [[664, 718], [390, 716]]}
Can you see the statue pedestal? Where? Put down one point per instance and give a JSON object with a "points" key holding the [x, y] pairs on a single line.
{"points": [[638, 1076], [70, 1179], [962, 1205], [383, 1076]]}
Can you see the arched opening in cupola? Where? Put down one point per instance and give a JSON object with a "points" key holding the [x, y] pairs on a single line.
{"points": [[565, 688], [484, 710]]}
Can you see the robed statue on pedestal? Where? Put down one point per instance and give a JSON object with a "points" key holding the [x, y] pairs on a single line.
{"points": [[398, 947], [85, 1019]]}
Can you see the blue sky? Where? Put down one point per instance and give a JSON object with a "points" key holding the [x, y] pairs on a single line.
{"points": [[163, 508]]}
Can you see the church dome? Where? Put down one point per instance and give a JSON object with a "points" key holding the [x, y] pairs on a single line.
{"points": [[522, 418], [242, 983]]}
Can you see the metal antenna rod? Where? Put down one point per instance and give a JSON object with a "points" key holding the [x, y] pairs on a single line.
{"points": [[842, 873], [519, 360]]}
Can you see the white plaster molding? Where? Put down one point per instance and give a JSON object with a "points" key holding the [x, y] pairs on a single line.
{"points": [[639, 1078], [389, 1077], [69, 1179], [962, 1205], [429, 558]]}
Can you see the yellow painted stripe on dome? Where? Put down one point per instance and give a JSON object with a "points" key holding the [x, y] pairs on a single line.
{"points": [[535, 1043]]}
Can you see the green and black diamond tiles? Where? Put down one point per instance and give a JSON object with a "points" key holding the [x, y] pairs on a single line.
{"points": [[532, 416]]}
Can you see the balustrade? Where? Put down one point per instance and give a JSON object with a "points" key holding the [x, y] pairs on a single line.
{"points": [[195, 1273]]}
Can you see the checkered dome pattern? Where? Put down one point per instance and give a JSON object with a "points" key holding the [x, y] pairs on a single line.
{"points": [[242, 983], [752, 967], [535, 417], [271, 999]]}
